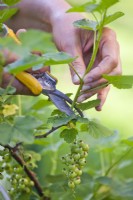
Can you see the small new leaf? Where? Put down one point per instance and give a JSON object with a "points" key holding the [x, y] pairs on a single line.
{"points": [[120, 82], [113, 17], [60, 120], [89, 104], [87, 7], [86, 24], [69, 135]]}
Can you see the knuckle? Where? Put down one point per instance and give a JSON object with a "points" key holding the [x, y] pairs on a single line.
{"points": [[112, 60]]}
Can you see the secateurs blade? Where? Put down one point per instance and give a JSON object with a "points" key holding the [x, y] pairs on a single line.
{"points": [[60, 100]]}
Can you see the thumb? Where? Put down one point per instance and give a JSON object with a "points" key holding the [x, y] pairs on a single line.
{"points": [[77, 67], [20, 31]]}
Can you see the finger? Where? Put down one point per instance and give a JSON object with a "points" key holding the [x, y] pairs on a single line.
{"points": [[85, 96], [102, 95], [9, 56], [109, 50], [77, 67], [20, 31]]}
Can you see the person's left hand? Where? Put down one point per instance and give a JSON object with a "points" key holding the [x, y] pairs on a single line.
{"points": [[79, 43]]}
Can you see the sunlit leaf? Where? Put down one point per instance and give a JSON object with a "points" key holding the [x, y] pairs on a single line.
{"points": [[69, 135], [24, 63], [121, 82], [5, 14], [88, 105], [98, 130], [87, 7], [35, 40], [57, 58], [113, 17], [11, 2], [33, 60], [86, 24]]}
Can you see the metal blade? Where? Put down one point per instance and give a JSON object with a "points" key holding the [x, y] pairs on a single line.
{"points": [[61, 104]]}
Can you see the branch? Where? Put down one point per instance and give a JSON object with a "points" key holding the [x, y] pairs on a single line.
{"points": [[49, 132], [30, 174]]}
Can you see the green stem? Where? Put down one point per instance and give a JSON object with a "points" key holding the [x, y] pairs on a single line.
{"points": [[115, 163], [94, 89], [19, 105], [102, 163], [91, 63]]}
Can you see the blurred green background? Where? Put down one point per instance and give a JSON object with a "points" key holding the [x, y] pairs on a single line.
{"points": [[117, 112]]}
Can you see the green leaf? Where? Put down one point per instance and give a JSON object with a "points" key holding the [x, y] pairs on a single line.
{"points": [[33, 60], [98, 130], [41, 104], [84, 128], [87, 7], [11, 2], [8, 90], [88, 105], [120, 82], [69, 135], [5, 14], [23, 128], [86, 24], [5, 133], [107, 3], [57, 58], [113, 17], [35, 40], [60, 120], [24, 63], [128, 141], [103, 5]]}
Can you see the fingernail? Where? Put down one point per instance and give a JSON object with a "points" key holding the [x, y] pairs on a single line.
{"points": [[76, 79], [86, 87], [81, 99], [98, 108], [88, 80]]}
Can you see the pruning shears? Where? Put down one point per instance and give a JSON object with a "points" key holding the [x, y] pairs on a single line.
{"points": [[43, 83]]}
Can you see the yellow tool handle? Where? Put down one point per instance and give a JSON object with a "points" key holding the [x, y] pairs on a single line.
{"points": [[30, 82], [27, 79]]}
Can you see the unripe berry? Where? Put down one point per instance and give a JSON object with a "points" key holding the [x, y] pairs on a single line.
{"points": [[76, 156], [78, 172], [72, 174], [27, 190], [71, 184], [82, 162], [85, 147], [77, 181]]}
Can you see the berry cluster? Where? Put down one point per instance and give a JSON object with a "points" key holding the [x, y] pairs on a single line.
{"points": [[18, 179], [75, 161]]}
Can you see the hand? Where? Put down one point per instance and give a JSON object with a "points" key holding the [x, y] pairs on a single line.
{"points": [[10, 57], [79, 43]]}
